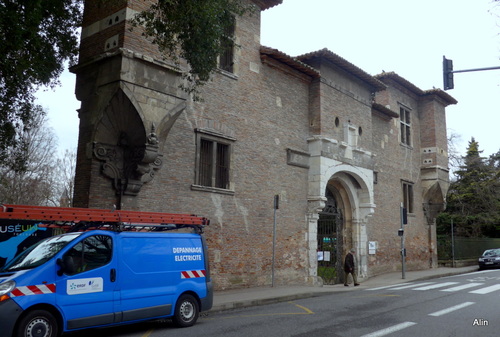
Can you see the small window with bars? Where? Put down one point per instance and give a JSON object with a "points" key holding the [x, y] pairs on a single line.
{"points": [[405, 123], [213, 162]]}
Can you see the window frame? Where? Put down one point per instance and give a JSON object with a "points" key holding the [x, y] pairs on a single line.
{"points": [[408, 196], [216, 140], [226, 58], [85, 263], [405, 126]]}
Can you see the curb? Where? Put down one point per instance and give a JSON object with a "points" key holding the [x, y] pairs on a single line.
{"points": [[264, 301], [308, 293]]}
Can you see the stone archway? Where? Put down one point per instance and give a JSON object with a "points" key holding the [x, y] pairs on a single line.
{"points": [[329, 167], [352, 193], [353, 188], [336, 222]]}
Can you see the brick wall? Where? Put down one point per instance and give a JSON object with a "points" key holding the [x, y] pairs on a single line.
{"points": [[267, 108]]}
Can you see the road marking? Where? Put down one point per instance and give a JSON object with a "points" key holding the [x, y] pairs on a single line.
{"points": [[435, 286], [385, 287], [377, 295], [308, 311], [463, 286], [412, 285], [390, 330], [486, 290], [450, 309], [149, 332]]}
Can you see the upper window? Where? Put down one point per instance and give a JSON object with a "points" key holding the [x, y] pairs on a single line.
{"points": [[213, 161], [226, 59], [405, 120], [408, 196]]}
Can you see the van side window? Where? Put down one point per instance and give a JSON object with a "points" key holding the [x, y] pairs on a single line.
{"points": [[93, 252]]}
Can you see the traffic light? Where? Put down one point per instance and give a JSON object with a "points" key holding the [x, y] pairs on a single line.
{"points": [[447, 74]]}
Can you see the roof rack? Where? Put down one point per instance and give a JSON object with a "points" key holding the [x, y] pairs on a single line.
{"points": [[73, 219]]}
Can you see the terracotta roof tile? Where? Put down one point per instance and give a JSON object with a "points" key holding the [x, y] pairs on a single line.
{"points": [[266, 4], [413, 88], [345, 65], [400, 80], [289, 60], [442, 94]]}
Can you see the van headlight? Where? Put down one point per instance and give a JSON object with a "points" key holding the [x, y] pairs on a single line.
{"points": [[7, 287]]}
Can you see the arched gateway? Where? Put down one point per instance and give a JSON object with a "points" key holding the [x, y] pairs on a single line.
{"points": [[338, 215]]}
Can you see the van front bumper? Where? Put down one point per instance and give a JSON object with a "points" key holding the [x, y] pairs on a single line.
{"points": [[9, 313]]}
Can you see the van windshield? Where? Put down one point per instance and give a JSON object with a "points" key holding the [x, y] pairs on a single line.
{"points": [[40, 252]]}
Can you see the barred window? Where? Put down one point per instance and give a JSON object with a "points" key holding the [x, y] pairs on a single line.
{"points": [[405, 123], [213, 162]]}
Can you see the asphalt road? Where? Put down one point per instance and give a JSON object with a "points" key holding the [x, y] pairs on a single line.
{"points": [[463, 305]]}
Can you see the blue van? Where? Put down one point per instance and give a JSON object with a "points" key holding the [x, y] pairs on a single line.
{"points": [[101, 278]]}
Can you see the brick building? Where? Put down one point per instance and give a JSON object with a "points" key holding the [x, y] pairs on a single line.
{"points": [[341, 148]]}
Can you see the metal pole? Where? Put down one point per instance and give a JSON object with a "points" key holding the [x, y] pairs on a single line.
{"points": [[477, 69], [403, 257], [276, 206], [452, 246]]}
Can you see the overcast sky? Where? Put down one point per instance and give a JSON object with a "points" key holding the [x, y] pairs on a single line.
{"points": [[406, 37], [409, 38]]}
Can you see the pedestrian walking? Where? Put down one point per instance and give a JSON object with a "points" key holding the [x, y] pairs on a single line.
{"points": [[349, 268]]}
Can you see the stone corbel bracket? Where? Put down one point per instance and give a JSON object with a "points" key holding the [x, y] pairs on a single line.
{"points": [[130, 167]]}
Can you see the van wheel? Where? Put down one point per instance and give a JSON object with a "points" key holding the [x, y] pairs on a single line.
{"points": [[186, 311], [38, 323]]}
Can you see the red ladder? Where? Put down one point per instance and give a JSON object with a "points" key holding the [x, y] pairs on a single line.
{"points": [[71, 214]]}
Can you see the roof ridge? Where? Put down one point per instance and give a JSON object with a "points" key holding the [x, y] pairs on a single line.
{"points": [[290, 60], [345, 65]]}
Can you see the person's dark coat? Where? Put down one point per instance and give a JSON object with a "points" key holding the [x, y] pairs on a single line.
{"points": [[349, 263]]}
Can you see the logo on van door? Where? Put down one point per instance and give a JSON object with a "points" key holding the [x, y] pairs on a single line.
{"points": [[84, 286]]}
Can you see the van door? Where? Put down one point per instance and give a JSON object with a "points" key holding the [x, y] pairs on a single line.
{"points": [[85, 291], [155, 268]]}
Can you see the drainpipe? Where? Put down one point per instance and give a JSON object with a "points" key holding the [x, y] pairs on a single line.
{"points": [[276, 206]]}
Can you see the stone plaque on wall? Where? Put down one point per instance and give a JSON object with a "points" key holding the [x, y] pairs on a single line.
{"points": [[297, 158]]}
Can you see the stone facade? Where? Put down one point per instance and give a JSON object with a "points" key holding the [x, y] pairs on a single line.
{"points": [[293, 127]]}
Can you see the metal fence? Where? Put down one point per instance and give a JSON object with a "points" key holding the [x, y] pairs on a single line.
{"points": [[462, 248]]}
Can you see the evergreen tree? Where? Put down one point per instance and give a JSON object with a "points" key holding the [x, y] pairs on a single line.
{"points": [[473, 201]]}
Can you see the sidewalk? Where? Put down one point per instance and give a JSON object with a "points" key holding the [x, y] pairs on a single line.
{"points": [[232, 299]]}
